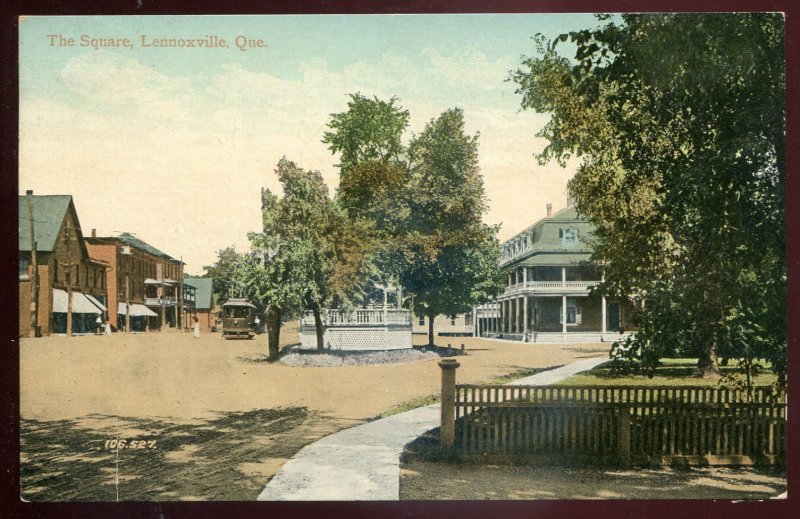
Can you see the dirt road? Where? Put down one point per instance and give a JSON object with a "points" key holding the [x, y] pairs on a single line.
{"points": [[217, 421]]}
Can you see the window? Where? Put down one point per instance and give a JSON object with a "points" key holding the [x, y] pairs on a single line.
{"points": [[23, 268], [452, 321], [568, 235], [422, 320], [468, 319]]}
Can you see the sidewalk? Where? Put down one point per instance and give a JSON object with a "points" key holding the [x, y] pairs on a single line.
{"points": [[363, 463]]}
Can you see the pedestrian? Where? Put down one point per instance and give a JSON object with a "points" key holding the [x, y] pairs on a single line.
{"points": [[196, 328], [99, 322], [108, 328]]}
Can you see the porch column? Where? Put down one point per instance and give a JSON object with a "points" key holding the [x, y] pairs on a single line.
{"points": [[564, 277], [500, 315], [525, 318], [563, 314], [604, 315], [509, 328]]}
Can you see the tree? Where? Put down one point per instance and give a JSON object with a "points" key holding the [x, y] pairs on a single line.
{"points": [[220, 271], [679, 121], [453, 255], [424, 204], [311, 253], [370, 130]]}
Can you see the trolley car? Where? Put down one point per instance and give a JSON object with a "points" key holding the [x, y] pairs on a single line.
{"points": [[238, 319]]}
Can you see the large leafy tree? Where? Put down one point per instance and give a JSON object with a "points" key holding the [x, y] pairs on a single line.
{"points": [[424, 203], [453, 255], [312, 254], [679, 121]]}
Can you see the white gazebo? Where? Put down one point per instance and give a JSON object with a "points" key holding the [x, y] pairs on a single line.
{"points": [[385, 327]]}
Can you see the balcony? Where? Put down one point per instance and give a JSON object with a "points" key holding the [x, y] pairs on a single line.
{"points": [[549, 287], [158, 301]]}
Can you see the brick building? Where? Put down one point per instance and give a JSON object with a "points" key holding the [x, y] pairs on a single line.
{"points": [[65, 271], [145, 285]]}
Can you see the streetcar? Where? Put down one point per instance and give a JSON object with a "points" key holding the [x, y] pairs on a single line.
{"points": [[238, 319]]}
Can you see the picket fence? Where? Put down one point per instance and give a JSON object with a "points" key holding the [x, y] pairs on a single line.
{"points": [[661, 425]]}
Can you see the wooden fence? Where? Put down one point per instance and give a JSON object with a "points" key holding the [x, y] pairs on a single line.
{"points": [[619, 424]]}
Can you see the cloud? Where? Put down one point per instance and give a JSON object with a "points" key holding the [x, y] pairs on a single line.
{"points": [[110, 78], [181, 160]]}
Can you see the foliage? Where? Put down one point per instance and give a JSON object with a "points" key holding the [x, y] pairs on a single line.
{"points": [[679, 122], [220, 271], [424, 204]]}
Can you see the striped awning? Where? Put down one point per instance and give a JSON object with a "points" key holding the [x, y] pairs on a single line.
{"points": [[80, 303]]}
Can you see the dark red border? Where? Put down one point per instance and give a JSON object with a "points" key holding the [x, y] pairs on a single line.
{"points": [[9, 353]]}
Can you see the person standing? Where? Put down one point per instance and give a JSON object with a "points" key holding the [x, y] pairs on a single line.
{"points": [[108, 328], [196, 328]]}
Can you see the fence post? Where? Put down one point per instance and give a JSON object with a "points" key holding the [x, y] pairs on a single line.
{"points": [[448, 404], [624, 437]]}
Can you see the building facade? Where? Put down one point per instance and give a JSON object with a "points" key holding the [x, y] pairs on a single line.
{"points": [[65, 274], [204, 303], [548, 295], [144, 282], [459, 326]]}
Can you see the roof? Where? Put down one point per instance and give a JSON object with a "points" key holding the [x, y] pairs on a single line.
{"points": [[203, 293], [544, 238], [555, 259], [235, 301], [133, 241], [48, 216]]}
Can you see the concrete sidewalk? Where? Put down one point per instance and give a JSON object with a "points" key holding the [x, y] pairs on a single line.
{"points": [[363, 463]]}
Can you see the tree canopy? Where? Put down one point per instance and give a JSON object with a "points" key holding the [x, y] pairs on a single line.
{"points": [[424, 204], [679, 123]]}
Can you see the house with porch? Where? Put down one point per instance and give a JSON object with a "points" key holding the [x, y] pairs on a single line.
{"points": [[548, 295]]}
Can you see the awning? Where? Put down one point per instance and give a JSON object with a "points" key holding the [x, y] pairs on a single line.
{"points": [[80, 303], [96, 302], [136, 310]]}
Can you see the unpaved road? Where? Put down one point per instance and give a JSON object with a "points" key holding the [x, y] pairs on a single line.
{"points": [[216, 419]]}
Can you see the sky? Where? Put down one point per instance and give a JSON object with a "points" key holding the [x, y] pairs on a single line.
{"points": [[175, 144]]}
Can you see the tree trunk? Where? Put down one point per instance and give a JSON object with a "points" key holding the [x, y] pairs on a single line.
{"points": [[273, 332], [707, 364], [430, 330], [318, 326]]}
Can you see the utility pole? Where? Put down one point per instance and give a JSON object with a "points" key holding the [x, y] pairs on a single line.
{"points": [[68, 275], [127, 302], [34, 268]]}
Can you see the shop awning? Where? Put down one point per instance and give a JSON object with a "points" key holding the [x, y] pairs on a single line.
{"points": [[80, 303], [136, 310], [96, 302]]}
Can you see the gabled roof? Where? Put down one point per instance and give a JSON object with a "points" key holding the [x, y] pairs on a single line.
{"points": [[48, 216], [203, 293]]}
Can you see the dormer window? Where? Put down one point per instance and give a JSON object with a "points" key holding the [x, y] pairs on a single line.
{"points": [[569, 236]]}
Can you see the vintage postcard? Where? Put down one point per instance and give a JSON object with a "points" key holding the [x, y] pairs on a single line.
{"points": [[402, 257]]}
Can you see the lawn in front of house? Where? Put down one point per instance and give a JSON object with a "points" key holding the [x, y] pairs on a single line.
{"points": [[671, 372]]}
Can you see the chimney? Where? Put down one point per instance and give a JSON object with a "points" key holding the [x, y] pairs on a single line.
{"points": [[29, 192], [570, 203], [94, 233], [549, 210]]}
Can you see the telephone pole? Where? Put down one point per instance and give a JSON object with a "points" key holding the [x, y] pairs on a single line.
{"points": [[34, 268], [68, 275]]}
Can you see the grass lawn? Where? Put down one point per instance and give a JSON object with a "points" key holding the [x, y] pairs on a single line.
{"points": [[672, 372]]}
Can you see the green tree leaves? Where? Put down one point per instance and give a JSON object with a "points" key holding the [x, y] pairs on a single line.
{"points": [[679, 120]]}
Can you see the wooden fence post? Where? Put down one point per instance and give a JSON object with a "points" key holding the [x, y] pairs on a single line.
{"points": [[448, 404], [624, 437]]}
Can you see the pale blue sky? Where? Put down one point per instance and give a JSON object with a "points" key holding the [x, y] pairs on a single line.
{"points": [[174, 144]]}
